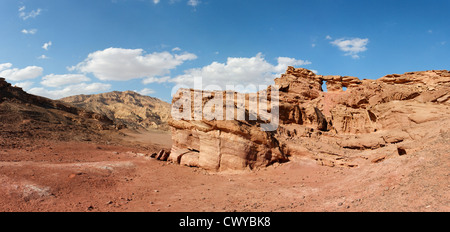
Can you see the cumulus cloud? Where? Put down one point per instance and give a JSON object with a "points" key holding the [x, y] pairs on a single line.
{"points": [[26, 15], [15, 74], [237, 72], [146, 91], [351, 47], [46, 46], [284, 62], [29, 32], [121, 64], [53, 80], [5, 66], [82, 88], [155, 1], [26, 85], [156, 80]]}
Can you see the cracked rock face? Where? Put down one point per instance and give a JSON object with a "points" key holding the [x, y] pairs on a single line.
{"points": [[355, 122], [221, 144]]}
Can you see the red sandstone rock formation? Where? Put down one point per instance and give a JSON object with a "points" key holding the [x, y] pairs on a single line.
{"points": [[222, 144], [384, 118]]}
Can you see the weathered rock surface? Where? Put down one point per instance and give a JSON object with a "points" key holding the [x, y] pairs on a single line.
{"points": [[368, 121], [222, 144]]}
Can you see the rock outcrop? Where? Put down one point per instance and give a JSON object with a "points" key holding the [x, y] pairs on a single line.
{"points": [[353, 122], [221, 144]]}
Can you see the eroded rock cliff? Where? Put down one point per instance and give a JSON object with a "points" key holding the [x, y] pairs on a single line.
{"points": [[221, 144], [354, 122]]}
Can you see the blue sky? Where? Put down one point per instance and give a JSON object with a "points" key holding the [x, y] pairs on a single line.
{"points": [[58, 48]]}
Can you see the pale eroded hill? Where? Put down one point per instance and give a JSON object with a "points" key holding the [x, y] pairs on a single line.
{"points": [[128, 108]]}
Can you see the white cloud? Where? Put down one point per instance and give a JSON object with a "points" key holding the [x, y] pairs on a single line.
{"points": [[150, 80], [328, 37], [71, 90], [193, 3], [26, 85], [177, 49], [43, 57], [125, 64], [146, 91], [46, 46], [351, 47], [30, 32], [26, 15], [237, 71], [284, 62], [53, 80], [5, 66], [15, 74], [313, 45]]}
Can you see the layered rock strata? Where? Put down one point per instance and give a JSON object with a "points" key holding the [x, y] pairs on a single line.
{"points": [[221, 144], [355, 121]]}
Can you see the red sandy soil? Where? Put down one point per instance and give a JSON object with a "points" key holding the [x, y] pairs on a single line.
{"points": [[90, 177]]}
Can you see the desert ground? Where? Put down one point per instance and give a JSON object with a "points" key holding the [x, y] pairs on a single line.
{"points": [[86, 176], [379, 146]]}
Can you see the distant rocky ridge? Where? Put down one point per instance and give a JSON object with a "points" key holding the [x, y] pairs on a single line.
{"points": [[26, 116], [128, 108], [368, 122]]}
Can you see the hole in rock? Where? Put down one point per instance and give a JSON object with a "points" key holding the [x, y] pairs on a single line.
{"points": [[401, 151], [324, 86]]}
